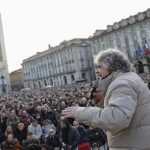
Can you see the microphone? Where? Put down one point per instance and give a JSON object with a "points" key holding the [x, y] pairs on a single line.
{"points": [[93, 89]]}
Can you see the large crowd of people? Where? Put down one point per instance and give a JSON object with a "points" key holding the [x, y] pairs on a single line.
{"points": [[57, 118], [32, 120]]}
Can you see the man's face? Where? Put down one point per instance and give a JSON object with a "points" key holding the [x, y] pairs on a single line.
{"points": [[13, 114], [102, 70], [35, 123], [21, 128], [52, 133], [24, 113], [29, 137], [62, 124], [9, 138], [76, 124], [39, 108]]}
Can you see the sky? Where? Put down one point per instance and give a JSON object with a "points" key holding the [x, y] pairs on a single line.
{"points": [[29, 26]]}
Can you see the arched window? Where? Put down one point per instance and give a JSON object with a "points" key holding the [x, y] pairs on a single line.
{"points": [[39, 84], [34, 86], [83, 75], [28, 85], [65, 80], [51, 82], [72, 77], [45, 83]]}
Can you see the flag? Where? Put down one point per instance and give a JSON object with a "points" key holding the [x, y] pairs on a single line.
{"points": [[140, 50], [146, 49]]}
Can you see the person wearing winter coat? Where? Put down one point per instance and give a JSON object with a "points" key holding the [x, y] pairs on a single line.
{"points": [[53, 140], [82, 131], [70, 136], [47, 124], [29, 141], [13, 120], [26, 118], [36, 129], [126, 112], [84, 140], [20, 133], [11, 143]]}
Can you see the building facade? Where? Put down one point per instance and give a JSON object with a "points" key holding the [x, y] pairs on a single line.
{"points": [[69, 62], [72, 61], [130, 35], [4, 75], [16, 80]]}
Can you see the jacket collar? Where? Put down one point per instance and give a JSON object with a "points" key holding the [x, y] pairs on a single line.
{"points": [[104, 83]]}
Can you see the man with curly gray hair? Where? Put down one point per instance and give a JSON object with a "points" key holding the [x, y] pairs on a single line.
{"points": [[114, 59], [126, 112]]}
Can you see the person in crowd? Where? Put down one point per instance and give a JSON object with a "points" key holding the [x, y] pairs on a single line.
{"points": [[3, 119], [70, 136], [44, 147], [13, 119], [33, 147], [30, 109], [47, 124], [82, 131], [52, 115], [30, 140], [53, 140], [9, 130], [97, 137], [11, 143], [126, 113], [84, 141], [26, 118], [20, 133], [36, 129], [39, 114]]}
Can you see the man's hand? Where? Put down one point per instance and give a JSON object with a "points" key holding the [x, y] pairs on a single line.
{"points": [[69, 112], [97, 96]]}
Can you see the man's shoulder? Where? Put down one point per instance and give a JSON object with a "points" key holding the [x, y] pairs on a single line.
{"points": [[127, 78]]}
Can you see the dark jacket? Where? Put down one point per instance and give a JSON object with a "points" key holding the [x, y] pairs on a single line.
{"points": [[26, 143], [53, 141], [70, 136], [14, 145], [26, 119], [83, 134], [20, 135]]}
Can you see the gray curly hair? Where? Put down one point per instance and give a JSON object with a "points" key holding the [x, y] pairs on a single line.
{"points": [[115, 60]]}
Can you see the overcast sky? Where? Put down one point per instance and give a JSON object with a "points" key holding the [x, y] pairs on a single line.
{"points": [[30, 25]]}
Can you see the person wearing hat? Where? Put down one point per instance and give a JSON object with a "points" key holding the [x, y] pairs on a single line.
{"points": [[53, 140]]}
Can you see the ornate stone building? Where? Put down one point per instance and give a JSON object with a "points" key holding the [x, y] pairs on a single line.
{"points": [[72, 61], [130, 35], [4, 75], [69, 62], [16, 80]]}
